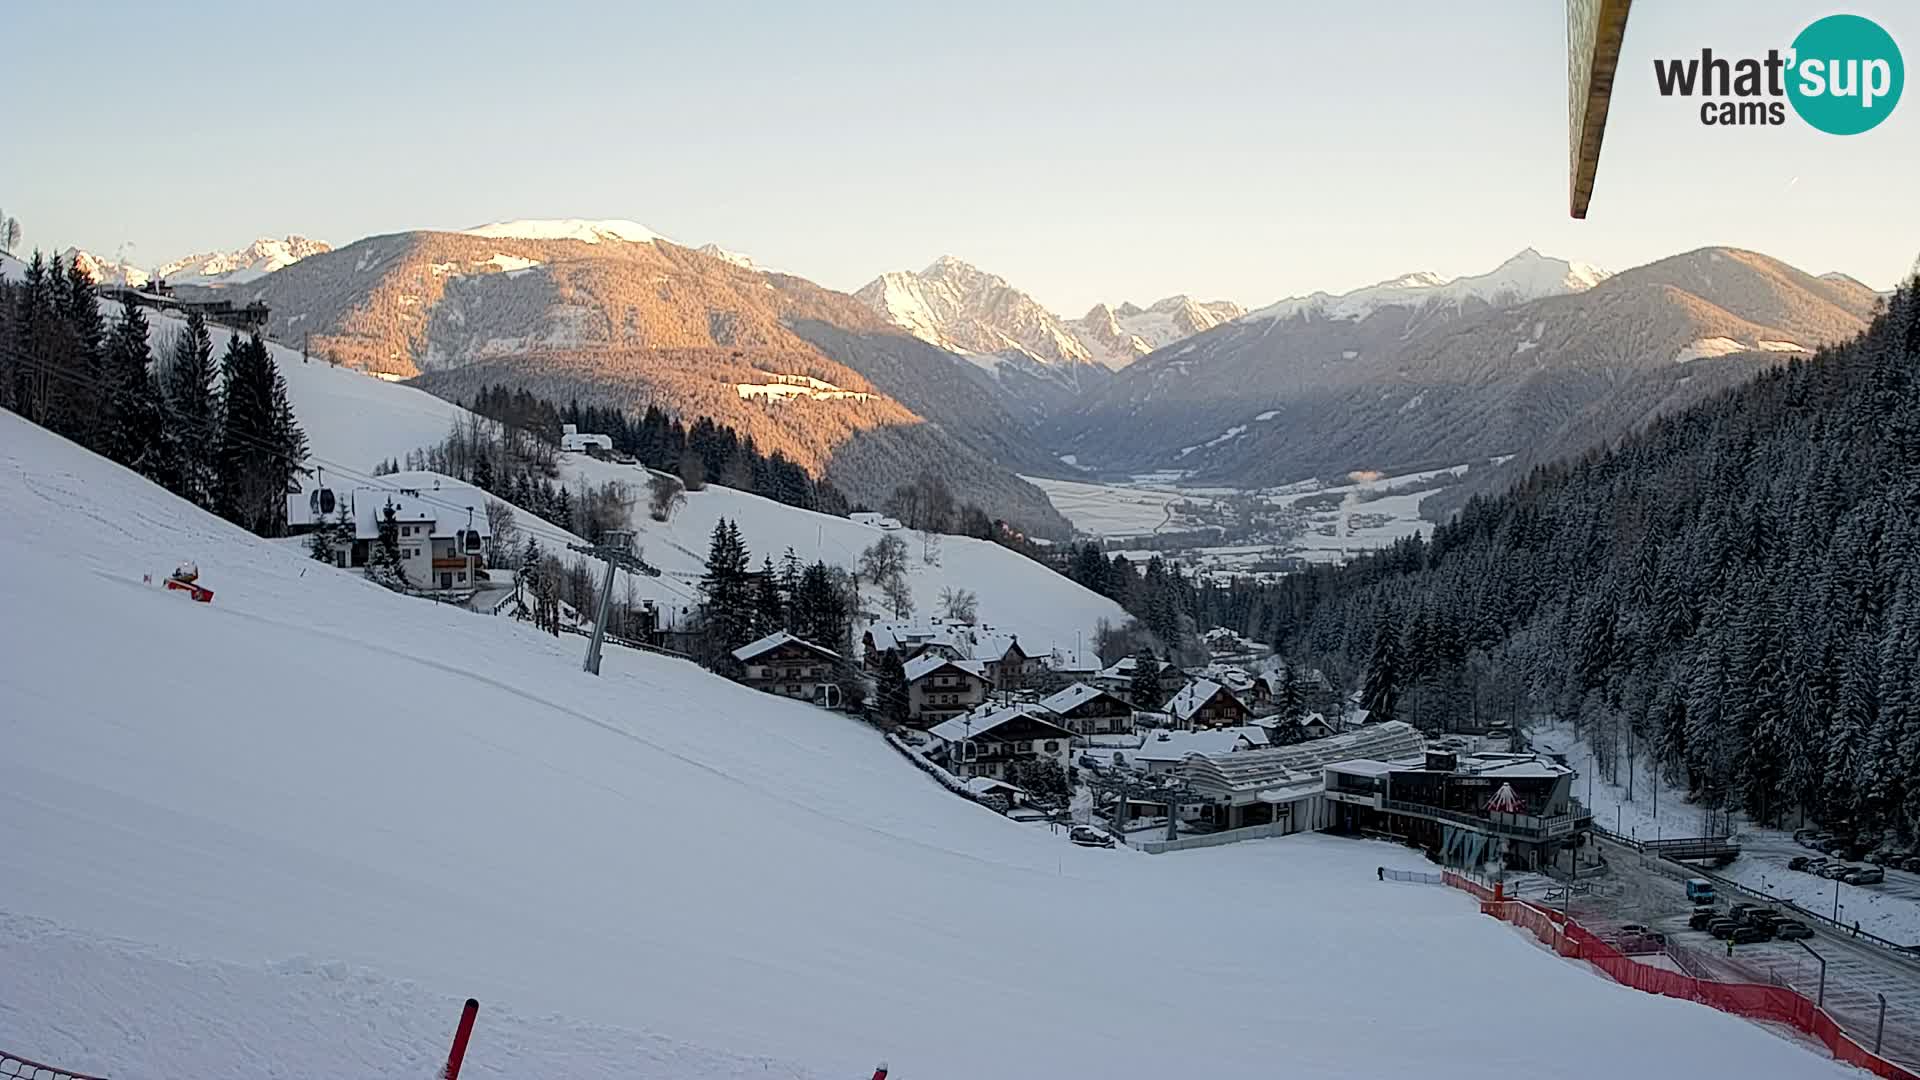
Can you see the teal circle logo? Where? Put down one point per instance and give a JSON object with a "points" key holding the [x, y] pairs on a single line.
{"points": [[1846, 75]]}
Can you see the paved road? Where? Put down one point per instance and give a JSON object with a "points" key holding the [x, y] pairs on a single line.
{"points": [[1650, 891]]}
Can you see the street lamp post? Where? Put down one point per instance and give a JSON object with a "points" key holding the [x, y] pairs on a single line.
{"points": [[1836, 900], [1821, 1001]]}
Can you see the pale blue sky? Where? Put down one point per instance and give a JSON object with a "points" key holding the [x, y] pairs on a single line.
{"points": [[1086, 151]]}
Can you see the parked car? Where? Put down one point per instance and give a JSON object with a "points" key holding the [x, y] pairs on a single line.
{"points": [[1802, 836], [1746, 935], [1881, 858], [1864, 875], [1722, 927], [1088, 836], [1911, 864], [1814, 864], [1792, 930], [1701, 919], [1834, 870], [1798, 862]]}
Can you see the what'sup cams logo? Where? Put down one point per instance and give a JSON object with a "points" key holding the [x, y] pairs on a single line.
{"points": [[1842, 75]]}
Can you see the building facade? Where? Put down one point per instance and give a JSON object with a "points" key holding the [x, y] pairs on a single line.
{"points": [[785, 665], [939, 689], [988, 743]]}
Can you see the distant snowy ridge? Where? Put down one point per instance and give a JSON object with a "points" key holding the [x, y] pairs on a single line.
{"points": [[250, 263], [581, 229], [964, 309], [1526, 276]]}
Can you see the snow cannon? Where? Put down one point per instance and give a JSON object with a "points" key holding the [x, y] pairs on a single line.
{"points": [[880, 1071], [186, 578]]}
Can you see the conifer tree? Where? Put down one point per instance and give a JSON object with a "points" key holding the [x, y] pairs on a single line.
{"points": [[132, 427], [1287, 699], [1143, 686], [790, 590], [728, 608], [769, 612], [384, 563], [893, 689], [1380, 694]]}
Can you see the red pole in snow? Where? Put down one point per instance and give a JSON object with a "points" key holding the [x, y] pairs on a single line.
{"points": [[460, 1036]]}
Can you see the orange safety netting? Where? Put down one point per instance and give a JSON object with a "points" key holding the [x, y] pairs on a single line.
{"points": [[1776, 1004]]}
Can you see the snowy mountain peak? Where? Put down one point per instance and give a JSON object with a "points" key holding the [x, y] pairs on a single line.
{"points": [[1527, 275], [962, 308], [581, 229], [256, 260], [958, 306], [745, 262]]}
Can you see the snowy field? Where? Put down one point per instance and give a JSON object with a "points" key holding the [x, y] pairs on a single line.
{"points": [[1333, 534], [1112, 510], [286, 833]]}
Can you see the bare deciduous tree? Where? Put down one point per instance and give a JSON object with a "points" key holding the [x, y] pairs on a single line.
{"points": [[665, 494], [960, 605]]}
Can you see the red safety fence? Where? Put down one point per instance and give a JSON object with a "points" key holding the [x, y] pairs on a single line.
{"points": [[12, 1066], [1776, 1004]]}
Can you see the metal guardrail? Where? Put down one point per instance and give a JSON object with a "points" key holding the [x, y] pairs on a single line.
{"points": [[12, 1065], [1416, 876], [1721, 881], [629, 643], [1500, 824]]}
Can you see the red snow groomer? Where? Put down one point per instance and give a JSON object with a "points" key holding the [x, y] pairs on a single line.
{"points": [[186, 578]]}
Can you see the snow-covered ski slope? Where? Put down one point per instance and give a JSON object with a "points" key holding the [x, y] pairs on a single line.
{"points": [[287, 832]]}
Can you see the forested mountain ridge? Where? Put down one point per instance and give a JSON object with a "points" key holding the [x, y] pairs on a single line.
{"points": [[1274, 397], [632, 323], [1735, 590]]}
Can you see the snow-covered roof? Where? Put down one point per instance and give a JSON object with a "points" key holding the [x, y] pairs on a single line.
{"points": [[1524, 770], [878, 521], [994, 645], [773, 641], [1364, 767], [446, 508], [1123, 668], [1193, 697], [987, 785], [574, 440], [927, 663], [1072, 661], [910, 635], [1180, 745], [1071, 698], [975, 724], [1251, 771]]}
